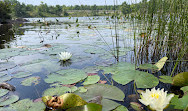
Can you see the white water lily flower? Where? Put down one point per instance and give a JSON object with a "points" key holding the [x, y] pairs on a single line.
{"points": [[156, 99], [65, 56]]}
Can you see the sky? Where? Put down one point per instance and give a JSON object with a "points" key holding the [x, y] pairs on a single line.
{"points": [[77, 2]]}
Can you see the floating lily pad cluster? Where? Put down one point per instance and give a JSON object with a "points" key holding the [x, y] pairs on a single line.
{"points": [[123, 73], [7, 99], [69, 76]]}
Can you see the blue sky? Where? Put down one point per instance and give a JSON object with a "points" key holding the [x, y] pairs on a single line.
{"points": [[77, 2]]}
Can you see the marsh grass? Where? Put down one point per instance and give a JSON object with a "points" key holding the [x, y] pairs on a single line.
{"points": [[164, 25]]}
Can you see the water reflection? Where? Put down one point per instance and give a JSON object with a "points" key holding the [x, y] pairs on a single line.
{"points": [[6, 35], [65, 63]]}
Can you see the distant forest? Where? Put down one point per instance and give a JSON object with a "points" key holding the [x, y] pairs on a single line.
{"points": [[14, 9]]}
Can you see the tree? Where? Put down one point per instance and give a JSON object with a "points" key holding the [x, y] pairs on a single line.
{"points": [[4, 11], [125, 8]]}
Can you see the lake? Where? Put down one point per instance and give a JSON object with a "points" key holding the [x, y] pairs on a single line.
{"points": [[29, 57]]}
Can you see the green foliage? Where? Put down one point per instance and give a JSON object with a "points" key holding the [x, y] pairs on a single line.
{"points": [[87, 107], [121, 108], [91, 80], [3, 92], [125, 8], [124, 73], [106, 92], [68, 76], [30, 80], [181, 79], [8, 100], [166, 79], [4, 11], [27, 105], [56, 91]]}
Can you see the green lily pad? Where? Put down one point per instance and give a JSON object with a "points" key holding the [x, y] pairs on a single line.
{"points": [[121, 108], [109, 105], [22, 105], [56, 91], [87, 107], [22, 75], [117, 68], [3, 92], [146, 80], [179, 103], [73, 89], [66, 77], [49, 66], [6, 65], [104, 90], [124, 73], [185, 89], [136, 106], [8, 100], [30, 80], [142, 79], [91, 80], [95, 51], [82, 89], [161, 63], [5, 78], [28, 105], [180, 79], [38, 106], [148, 66], [166, 79], [6, 109]]}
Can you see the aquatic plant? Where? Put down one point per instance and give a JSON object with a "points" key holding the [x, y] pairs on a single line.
{"points": [[65, 56], [156, 99]]}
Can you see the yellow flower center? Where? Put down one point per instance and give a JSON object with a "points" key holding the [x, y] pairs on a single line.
{"points": [[155, 95]]}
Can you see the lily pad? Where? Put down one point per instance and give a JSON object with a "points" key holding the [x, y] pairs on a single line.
{"points": [[8, 100], [142, 79], [73, 89], [56, 91], [22, 75], [148, 66], [166, 79], [91, 80], [30, 80], [6, 109], [22, 105], [180, 79], [121, 108], [179, 103], [49, 66], [136, 106], [82, 89], [6, 65], [185, 89], [66, 77], [104, 90], [87, 107], [161, 63], [29, 105], [95, 51], [109, 105], [146, 80], [124, 73], [5, 78], [3, 92]]}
